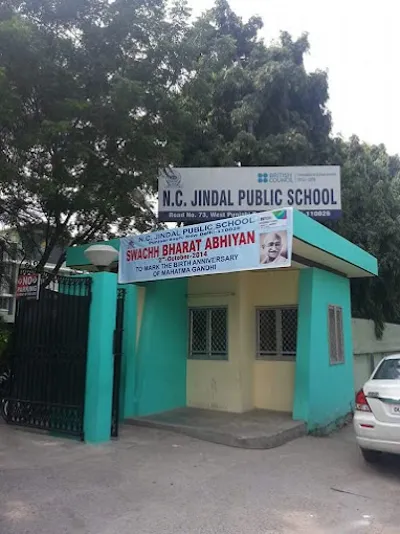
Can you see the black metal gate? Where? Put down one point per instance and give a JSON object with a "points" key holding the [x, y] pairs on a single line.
{"points": [[118, 336], [49, 353]]}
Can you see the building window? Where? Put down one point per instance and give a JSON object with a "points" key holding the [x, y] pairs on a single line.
{"points": [[7, 305], [8, 275], [9, 252], [335, 332], [276, 333], [208, 338]]}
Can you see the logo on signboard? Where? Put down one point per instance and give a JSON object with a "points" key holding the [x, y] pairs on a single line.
{"points": [[262, 177], [172, 177], [275, 177], [273, 218], [280, 214]]}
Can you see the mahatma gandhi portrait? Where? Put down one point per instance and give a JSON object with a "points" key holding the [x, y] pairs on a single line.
{"points": [[273, 248]]}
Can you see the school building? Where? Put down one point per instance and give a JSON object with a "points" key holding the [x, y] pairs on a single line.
{"points": [[277, 339]]}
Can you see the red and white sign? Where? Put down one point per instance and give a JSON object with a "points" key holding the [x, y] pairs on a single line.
{"points": [[28, 285]]}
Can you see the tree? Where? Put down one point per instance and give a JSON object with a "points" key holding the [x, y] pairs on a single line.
{"points": [[248, 102], [256, 104], [371, 220], [88, 93], [96, 96]]}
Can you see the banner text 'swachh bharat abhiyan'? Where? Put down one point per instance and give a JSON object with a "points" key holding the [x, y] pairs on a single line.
{"points": [[256, 241]]}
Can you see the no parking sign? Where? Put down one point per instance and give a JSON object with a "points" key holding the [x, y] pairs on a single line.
{"points": [[28, 285]]}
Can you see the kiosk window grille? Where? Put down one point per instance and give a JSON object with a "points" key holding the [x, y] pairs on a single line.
{"points": [[208, 338], [335, 332], [276, 333]]}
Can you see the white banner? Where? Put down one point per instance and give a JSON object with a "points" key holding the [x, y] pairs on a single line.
{"points": [[200, 194], [256, 241]]}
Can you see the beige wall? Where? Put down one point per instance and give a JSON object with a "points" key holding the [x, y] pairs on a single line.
{"points": [[216, 384], [274, 385], [365, 342], [368, 351], [242, 383], [213, 385], [273, 380]]}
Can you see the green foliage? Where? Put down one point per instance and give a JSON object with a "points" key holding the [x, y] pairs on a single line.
{"points": [[248, 102], [88, 93], [371, 220], [96, 96], [256, 104]]}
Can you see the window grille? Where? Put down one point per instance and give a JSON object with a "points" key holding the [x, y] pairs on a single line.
{"points": [[276, 333], [208, 338], [335, 333]]}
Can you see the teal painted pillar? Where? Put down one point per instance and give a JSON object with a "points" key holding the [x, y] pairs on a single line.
{"points": [[99, 374], [162, 348], [304, 352], [128, 366], [324, 391]]}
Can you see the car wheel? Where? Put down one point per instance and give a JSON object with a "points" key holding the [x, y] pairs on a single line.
{"points": [[370, 456]]}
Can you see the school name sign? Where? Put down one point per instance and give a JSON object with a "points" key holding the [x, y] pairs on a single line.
{"points": [[256, 241], [199, 194]]}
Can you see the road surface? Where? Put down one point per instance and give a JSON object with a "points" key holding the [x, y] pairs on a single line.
{"points": [[155, 482]]}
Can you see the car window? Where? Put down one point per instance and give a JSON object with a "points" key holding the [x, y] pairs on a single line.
{"points": [[388, 370]]}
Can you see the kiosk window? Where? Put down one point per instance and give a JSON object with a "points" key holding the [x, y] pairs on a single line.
{"points": [[276, 333], [208, 338], [336, 339]]}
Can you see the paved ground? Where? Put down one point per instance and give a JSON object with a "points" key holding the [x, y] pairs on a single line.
{"points": [[152, 481]]}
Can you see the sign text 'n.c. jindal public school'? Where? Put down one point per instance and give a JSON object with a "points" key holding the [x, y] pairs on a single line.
{"points": [[254, 241], [195, 194]]}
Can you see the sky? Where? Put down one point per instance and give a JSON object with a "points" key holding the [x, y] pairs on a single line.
{"points": [[357, 43]]}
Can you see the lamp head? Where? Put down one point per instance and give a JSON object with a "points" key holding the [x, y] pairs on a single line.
{"points": [[102, 256]]}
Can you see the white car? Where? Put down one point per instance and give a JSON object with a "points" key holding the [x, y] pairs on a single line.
{"points": [[377, 415]]}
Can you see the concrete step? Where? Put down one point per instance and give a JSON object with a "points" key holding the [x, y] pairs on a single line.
{"points": [[258, 429]]}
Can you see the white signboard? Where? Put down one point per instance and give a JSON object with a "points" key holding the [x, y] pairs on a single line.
{"points": [[254, 241], [198, 194]]}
